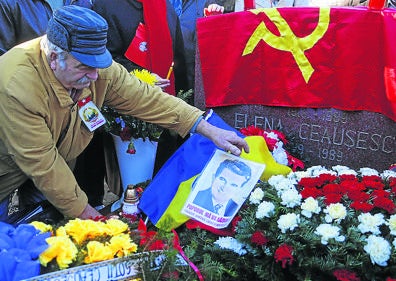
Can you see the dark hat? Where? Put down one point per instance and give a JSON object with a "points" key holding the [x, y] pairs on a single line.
{"points": [[82, 33]]}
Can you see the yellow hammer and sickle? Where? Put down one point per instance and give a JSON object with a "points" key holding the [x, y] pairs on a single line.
{"points": [[288, 41]]}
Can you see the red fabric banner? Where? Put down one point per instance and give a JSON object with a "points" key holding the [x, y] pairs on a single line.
{"points": [[157, 55], [343, 58]]}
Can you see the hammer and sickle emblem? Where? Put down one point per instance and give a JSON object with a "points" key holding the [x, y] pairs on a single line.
{"points": [[288, 41]]}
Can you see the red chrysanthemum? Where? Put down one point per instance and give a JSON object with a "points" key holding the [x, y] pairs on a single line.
{"points": [[372, 178], [345, 275], [347, 177], [327, 178], [310, 192], [252, 131], [310, 183], [284, 254], [373, 184], [259, 238], [359, 196], [333, 188], [332, 198], [362, 206], [385, 203]]}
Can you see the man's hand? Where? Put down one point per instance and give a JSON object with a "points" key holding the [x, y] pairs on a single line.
{"points": [[213, 9], [161, 82], [227, 140], [89, 213]]}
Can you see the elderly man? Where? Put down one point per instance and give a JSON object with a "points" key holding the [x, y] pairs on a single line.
{"points": [[46, 85]]}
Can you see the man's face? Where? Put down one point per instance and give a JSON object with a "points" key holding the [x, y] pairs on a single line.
{"points": [[72, 73], [226, 184]]}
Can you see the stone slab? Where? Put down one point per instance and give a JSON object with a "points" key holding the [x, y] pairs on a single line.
{"points": [[324, 137]]}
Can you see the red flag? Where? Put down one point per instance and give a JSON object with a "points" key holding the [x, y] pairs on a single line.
{"points": [[152, 48], [300, 57]]}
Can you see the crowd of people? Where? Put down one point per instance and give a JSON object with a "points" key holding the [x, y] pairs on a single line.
{"points": [[56, 55]]}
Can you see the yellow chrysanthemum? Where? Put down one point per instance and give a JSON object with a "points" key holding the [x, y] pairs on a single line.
{"points": [[61, 248], [61, 231], [95, 229], [115, 227], [81, 230], [98, 252], [122, 245], [145, 76], [41, 226]]}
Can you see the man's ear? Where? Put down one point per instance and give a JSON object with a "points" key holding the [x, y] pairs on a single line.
{"points": [[53, 56]]}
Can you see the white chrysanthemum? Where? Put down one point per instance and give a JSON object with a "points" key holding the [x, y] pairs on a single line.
{"points": [[328, 231], [344, 170], [272, 135], [265, 210], [279, 154], [291, 198], [284, 185], [275, 180], [370, 223], [316, 170], [388, 174], [336, 212], [288, 221], [391, 223], [368, 172], [379, 250], [256, 196], [298, 175], [232, 244], [310, 206]]}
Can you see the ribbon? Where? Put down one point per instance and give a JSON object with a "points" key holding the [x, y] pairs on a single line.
{"points": [[176, 245]]}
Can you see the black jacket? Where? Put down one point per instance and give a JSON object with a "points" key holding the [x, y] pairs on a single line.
{"points": [[123, 17], [21, 21], [191, 11]]}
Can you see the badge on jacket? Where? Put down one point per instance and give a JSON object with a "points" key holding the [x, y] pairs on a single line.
{"points": [[90, 114]]}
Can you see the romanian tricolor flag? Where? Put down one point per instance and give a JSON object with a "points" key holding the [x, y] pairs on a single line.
{"points": [[162, 200], [341, 58]]}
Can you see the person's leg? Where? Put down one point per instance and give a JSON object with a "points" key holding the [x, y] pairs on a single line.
{"points": [[90, 170], [4, 208], [29, 195], [33, 206]]}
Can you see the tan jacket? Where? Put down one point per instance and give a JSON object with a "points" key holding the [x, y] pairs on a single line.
{"points": [[35, 108]]}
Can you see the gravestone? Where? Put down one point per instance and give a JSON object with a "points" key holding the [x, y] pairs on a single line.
{"points": [[326, 137]]}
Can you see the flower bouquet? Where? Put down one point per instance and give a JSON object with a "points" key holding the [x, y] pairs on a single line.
{"points": [[128, 127], [115, 248], [319, 224]]}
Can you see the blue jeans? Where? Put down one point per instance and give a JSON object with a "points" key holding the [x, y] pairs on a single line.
{"points": [[28, 195], [4, 208]]}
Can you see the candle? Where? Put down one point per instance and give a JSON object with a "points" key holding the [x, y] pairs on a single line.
{"points": [[170, 71]]}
